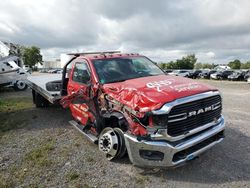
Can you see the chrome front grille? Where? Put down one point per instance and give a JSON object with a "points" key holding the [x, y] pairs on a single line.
{"points": [[191, 115]]}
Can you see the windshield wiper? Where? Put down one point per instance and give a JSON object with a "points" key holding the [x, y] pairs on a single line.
{"points": [[113, 81]]}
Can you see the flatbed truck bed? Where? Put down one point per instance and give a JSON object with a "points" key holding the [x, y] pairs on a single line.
{"points": [[38, 84]]}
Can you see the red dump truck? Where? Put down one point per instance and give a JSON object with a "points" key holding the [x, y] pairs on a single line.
{"points": [[126, 104]]}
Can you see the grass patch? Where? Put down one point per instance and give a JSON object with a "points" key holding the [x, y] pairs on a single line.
{"points": [[6, 182], [15, 104], [11, 114], [141, 179], [11, 121], [73, 175], [40, 156], [34, 163], [90, 159]]}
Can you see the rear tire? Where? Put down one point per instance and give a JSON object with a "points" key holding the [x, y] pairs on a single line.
{"points": [[40, 101], [34, 96]]}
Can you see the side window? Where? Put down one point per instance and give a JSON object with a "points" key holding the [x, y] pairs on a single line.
{"points": [[81, 73]]}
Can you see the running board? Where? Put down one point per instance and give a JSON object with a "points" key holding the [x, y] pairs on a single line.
{"points": [[79, 127]]}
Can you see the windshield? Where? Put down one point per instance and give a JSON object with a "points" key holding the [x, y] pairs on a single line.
{"points": [[121, 69]]}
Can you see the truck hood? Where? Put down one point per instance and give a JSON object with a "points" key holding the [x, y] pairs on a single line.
{"points": [[150, 93]]}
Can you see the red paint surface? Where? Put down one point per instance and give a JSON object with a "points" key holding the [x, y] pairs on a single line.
{"points": [[136, 95]]}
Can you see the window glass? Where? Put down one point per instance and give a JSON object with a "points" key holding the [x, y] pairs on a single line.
{"points": [[120, 69], [81, 73]]}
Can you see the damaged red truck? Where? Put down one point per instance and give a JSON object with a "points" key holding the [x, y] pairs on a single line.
{"points": [[127, 104]]}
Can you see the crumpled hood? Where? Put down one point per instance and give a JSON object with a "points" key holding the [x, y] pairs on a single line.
{"points": [[150, 93]]}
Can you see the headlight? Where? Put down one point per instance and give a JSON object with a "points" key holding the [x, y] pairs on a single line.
{"points": [[160, 120]]}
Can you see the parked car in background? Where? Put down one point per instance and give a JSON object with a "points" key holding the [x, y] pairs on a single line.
{"points": [[221, 75], [195, 74], [59, 72], [43, 71], [183, 73], [168, 71], [236, 76], [54, 71], [206, 73], [50, 70], [247, 75]]}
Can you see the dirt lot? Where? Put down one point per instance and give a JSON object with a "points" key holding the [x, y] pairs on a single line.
{"points": [[38, 148]]}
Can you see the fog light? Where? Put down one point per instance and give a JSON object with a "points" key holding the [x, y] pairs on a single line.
{"points": [[151, 155]]}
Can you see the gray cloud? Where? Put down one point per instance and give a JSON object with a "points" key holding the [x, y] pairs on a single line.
{"points": [[163, 30]]}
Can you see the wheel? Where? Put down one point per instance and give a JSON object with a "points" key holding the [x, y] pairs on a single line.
{"points": [[121, 146], [112, 143], [20, 85], [40, 101]]}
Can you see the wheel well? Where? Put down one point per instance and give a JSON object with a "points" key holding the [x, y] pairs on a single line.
{"points": [[114, 122]]}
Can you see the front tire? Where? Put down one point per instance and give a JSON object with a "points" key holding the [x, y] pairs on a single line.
{"points": [[111, 142], [40, 101]]}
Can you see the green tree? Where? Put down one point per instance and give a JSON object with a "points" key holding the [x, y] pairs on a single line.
{"points": [[245, 65], [31, 56], [198, 66], [163, 65], [204, 66], [236, 64], [187, 62], [208, 66], [171, 65]]}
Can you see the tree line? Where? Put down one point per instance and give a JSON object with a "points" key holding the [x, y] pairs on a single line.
{"points": [[30, 55], [190, 62]]}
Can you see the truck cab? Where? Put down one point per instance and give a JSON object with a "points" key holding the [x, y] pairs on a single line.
{"points": [[127, 104]]}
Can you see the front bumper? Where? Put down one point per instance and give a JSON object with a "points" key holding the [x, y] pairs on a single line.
{"points": [[167, 154]]}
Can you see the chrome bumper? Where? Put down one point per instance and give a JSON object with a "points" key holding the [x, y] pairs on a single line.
{"points": [[162, 153]]}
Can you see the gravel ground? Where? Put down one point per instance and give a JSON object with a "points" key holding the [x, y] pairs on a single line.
{"points": [[43, 150]]}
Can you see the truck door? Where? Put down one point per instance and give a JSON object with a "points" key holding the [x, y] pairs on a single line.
{"points": [[78, 81]]}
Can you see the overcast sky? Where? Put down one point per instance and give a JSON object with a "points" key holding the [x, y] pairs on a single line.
{"points": [[215, 30]]}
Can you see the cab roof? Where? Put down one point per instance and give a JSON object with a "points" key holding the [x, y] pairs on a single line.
{"points": [[103, 55]]}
